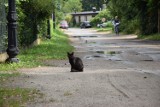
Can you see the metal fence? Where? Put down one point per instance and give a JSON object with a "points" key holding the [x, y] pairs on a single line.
{"points": [[3, 31]]}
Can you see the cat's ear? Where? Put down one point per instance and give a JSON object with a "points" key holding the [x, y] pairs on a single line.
{"points": [[72, 53]]}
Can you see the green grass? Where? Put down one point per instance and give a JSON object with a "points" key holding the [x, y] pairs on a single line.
{"points": [[104, 29], [4, 76], [54, 48], [17, 97], [150, 37]]}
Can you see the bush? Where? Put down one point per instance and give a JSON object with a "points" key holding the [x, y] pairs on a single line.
{"points": [[130, 26], [98, 18], [32, 21]]}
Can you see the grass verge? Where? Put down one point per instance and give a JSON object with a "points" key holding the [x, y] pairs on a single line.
{"points": [[4, 76], [15, 97], [54, 48], [150, 37], [104, 29]]}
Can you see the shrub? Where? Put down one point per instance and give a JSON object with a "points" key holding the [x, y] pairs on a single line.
{"points": [[98, 18], [130, 26], [33, 16]]}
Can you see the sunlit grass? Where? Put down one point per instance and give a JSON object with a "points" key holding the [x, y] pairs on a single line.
{"points": [[17, 97], [104, 29], [54, 48]]}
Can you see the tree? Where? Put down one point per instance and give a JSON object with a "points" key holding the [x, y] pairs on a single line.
{"points": [[33, 16], [72, 6], [98, 18], [136, 15], [87, 5]]}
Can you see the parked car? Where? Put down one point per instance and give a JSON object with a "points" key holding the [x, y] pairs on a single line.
{"points": [[64, 24], [85, 24]]}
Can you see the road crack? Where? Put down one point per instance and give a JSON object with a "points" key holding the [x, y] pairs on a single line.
{"points": [[120, 91]]}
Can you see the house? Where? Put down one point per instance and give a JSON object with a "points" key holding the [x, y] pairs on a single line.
{"points": [[83, 16]]}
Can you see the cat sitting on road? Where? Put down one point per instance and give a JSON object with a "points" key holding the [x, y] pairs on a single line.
{"points": [[76, 63]]}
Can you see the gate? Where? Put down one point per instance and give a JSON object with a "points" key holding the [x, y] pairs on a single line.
{"points": [[3, 32]]}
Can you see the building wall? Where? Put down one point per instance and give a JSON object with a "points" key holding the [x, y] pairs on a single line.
{"points": [[77, 19], [89, 17], [82, 18]]}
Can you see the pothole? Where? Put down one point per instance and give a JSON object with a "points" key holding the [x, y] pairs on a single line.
{"points": [[109, 52], [84, 36], [106, 55]]}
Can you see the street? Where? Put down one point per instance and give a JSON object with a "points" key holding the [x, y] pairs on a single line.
{"points": [[119, 71]]}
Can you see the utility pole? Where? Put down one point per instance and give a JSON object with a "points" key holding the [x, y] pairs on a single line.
{"points": [[12, 49], [158, 20]]}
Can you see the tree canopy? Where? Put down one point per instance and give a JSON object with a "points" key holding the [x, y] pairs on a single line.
{"points": [[136, 16]]}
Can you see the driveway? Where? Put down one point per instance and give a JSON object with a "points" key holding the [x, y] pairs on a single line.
{"points": [[120, 71]]}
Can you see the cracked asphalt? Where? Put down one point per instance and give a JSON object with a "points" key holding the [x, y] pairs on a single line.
{"points": [[119, 71]]}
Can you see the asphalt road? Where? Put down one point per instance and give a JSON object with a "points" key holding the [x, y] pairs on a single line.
{"points": [[120, 71]]}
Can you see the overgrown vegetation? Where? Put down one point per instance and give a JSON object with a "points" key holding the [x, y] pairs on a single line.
{"points": [[150, 37], [136, 16], [98, 18], [54, 48], [33, 16]]}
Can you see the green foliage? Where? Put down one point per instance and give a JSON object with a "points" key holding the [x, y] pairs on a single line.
{"points": [[72, 5], [98, 18], [150, 37], [54, 48], [136, 16], [63, 7], [69, 19], [131, 26], [104, 29], [33, 16], [87, 5]]}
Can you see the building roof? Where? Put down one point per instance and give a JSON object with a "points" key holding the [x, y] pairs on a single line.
{"points": [[85, 13]]}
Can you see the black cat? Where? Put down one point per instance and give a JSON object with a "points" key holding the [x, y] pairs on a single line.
{"points": [[76, 63]]}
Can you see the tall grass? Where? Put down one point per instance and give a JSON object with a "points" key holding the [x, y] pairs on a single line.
{"points": [[150, 37]]}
